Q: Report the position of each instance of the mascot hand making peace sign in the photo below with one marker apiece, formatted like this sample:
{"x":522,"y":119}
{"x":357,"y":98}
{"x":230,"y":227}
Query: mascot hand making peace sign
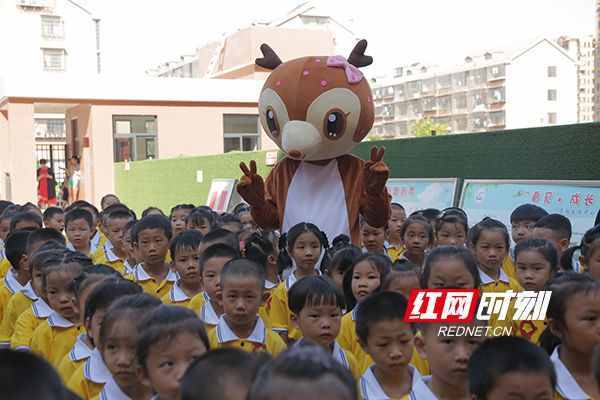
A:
{"x":317,"y":109}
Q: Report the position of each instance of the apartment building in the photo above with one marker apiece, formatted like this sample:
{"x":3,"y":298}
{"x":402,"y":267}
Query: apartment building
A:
{"x":55,"y":37}
{"x":582,"y":49}
{"x":534,"y":86}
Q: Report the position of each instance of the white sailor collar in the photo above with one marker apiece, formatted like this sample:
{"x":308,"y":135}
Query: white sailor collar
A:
{"x":289,"y":282}
{"x":69,"y":246}
{"x":94,"y":368}
{"x":566,"y":385}
{"x":225,"y":334}
{"x":109,"y":253}
{"x":128,"y":267}
{"x":485,"y":278}
{"x":41,"y":309}
{"x":208,"y":315}
{"x":421,"y":391}
{"x":370,"y":388}
{"x":141,"y":275}
{"x":176,"y":294}
{"x":28,"y":292}
{"x":340,"y":356}
{"x":112,"y":391}
{"x":94,"y":242}
{"x":269,"y":284}
{"x":11,"y":282}
{"x":80,"y":350}
{"x":55,"y":320}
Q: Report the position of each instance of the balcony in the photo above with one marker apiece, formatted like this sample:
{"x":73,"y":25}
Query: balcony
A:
{"x":34,"y":4}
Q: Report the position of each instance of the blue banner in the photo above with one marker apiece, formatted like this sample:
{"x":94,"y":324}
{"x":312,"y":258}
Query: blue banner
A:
{"x":578,"y":201}
{"x":417,"y":194}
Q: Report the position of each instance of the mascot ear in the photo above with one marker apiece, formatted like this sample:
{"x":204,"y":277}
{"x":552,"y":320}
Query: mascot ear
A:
{"x":357,"y":57}
{"x":270,"y":59}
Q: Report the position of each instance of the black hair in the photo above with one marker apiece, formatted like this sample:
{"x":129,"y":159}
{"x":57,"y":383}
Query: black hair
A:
{"x":430,"y":214}
{"x":343,"y":259}
{"x":149,"y":210}
{"x":25,"y":216}
{"x":44,"y":235}
{"x":454,"y":211}
{"x":66,"y":260}
{"x":215,"y":251}
{"x":454,"y":219}
{"x":287,"y":241}
{"x":241,"y":208}
{"x":26,"y":376}
{"x":300,"y":365}
{"x":4,"y":204}
{"x":117,"y":212}
{"x":189,"y":239}
{"x":16,"y":247}
{"x":398,"y":274}
{"x":51,"y":245}
{"x":9,"y":212}
{"x":220,"y":235}
{"x":152,"y":222}
{"x":405,"y":265}
{"x":400,"y":206}
{"x":93,"y":275}
{"x":228,"y":218}
{"x":162,"y":324}
{"x":381,"y":306}
{"x":129,"y":226}
{"x":44,"y":258}
{"x":29,"y":206}
{"x":50,"y":212}
{"x":201,"y":216}
{"x":314,"y":291}
{"x":527,"y":212}
{"x":242,"y":267}
{"x":564,"y":287}
{"x":210,"y":376}
{"x":258,"y":248}
{"x":83,"y":204}
{"x":502,"y":355}
{"x":106,"y":197}
{"x":589,"y":237}
{"x":79,"y":213}
{"x":458,"y":252}
{"x":381,"y":262}
{"x":420,"y":220}
{"x":178,"y":207}
{"x":556,"y":223}
{"x":542,"y":246}
{"x":127,"y":307}
{"x":340,"y":241}
{"x":488,"y":224}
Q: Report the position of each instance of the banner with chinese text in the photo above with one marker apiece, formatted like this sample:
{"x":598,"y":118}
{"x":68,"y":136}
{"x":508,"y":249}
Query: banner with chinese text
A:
{"x":416,"y":194}
{"x":577,"y":200}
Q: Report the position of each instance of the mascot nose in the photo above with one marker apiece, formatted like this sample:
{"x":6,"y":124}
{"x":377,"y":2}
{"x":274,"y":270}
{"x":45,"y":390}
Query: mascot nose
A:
{"x":298,"y":138}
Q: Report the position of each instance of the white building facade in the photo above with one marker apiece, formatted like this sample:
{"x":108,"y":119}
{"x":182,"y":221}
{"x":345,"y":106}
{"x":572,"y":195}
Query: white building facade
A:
{"x":533,"y":87}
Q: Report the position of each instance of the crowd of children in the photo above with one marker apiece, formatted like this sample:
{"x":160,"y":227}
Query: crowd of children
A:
{"x":200,"y":305}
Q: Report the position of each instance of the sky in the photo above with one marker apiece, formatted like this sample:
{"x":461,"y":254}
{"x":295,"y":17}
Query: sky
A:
{"x":140,"y":34}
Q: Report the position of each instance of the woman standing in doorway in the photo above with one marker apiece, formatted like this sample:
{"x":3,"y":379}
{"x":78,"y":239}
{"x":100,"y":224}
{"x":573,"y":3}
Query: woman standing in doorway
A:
{"x":74,"y":179}
{"x":46,"y":185}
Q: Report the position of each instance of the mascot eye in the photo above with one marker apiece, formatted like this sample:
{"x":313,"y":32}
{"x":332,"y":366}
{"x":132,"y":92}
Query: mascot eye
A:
{"x":272,"y":123}
{"x":334,"y":124}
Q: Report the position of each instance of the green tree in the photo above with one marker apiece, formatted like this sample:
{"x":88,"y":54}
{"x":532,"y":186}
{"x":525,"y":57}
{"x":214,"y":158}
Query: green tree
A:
{"x":426,"y":127}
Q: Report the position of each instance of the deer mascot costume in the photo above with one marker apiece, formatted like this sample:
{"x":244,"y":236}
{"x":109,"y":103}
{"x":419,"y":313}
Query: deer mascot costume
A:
{"x":317,"y":109}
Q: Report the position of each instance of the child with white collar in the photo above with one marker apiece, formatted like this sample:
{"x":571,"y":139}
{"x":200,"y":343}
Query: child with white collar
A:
{"x":18,"y":276}
{"x":186,"y":254}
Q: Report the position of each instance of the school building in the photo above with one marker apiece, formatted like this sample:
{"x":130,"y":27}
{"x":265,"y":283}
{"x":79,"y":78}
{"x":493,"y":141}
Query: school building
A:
{"x":115,"y":119}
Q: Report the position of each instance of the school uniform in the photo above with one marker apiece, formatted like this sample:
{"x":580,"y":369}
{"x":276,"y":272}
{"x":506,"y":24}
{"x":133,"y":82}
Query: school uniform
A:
{"x":17,"y":304}
{"x":89,"y":379}
{"x":79,"y":353}
{"x":422,"y":391}
{"x":261,"y":338}
{"x":395,"y":252}
{"x":106,"y":255}
{"x":370,"y":389}
{"x":502,"y":284}
{"x":348,"y":340}
{"x":8,"y":287}
{"x":177,"y":296}
{"x":343,"y":356}
{"x":28,"y":322}
{"x":279,"y":313}
{"x":149,"y":284}
{"x":4,"y":267}
{"x":530,"y":330}
{"x":508,"y":266}
{"x":269,"y":287}
{"x":54,"y":338}
{"x":112,"y":391}
{"x":567,"y":387}
{"x":204,"y":309}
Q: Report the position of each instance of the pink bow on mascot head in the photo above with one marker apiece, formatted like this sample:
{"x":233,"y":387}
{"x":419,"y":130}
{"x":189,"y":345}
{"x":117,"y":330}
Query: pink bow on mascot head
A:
{"x":353,"y":74}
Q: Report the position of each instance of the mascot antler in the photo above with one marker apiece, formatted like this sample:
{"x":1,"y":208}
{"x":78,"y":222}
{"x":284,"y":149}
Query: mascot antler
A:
{"x":357,"y":57}
{"x":270,"y":59}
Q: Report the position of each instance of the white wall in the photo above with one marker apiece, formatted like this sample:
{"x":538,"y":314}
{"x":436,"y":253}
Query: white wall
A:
{"x":527,"y":85}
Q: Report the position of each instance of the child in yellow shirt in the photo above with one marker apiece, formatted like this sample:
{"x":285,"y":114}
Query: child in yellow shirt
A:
{"x":240,"y":326}
{"x":54,"y":218}
{"x":113,"y":252}
{"x":78,"y":228}
{"x":151,"y":236}
{"x":18,"y":276}
{"x":306,"y":248}
{"x":262,"y":248}
{"x":208,"y":305}
{"x":317,"y":307}
{"x":55,"y":337}
{"x":522,"y":222}
{"x":184,"y":249}
{"x":490,"y":242}
{"x":171,"y":335}
{"x":395,"y":246}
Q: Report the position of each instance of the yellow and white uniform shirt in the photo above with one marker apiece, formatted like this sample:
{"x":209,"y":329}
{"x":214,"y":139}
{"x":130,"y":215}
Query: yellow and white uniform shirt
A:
{"x":567,"y":387}
{"x":503,"y":284}
{"x":177,"y":296}
{"x":28,"y":322}
{"x":112,"y":391}
{"x":10,"y":286}
{"x":105,"y":255}
{"x":54,"y":338}
{"x":17,"y":304}
{"x":370,"y":389}
{"x":261,"y":338}
{"x":88,"y":381}
{"x":149,"y":284}
{"x":74,"y":359}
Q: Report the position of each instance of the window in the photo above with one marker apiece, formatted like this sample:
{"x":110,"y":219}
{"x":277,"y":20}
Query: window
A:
{"x":134,"y":137}
{"x":51,"y":128}
{"x":53,"y":60}
{"x":52,"y":27}
{"x":552,"y":94}
{"x":551,"y":71}
{"x":552,"y":118}
{"x":240,"y":133}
